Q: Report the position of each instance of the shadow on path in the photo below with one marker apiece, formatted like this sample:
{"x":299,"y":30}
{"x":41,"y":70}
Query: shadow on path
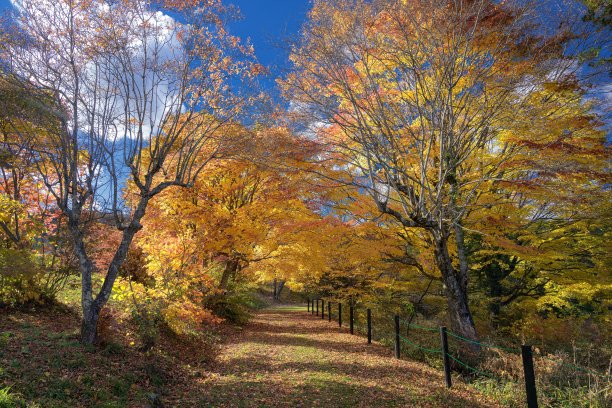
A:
{"x":289,"y":358}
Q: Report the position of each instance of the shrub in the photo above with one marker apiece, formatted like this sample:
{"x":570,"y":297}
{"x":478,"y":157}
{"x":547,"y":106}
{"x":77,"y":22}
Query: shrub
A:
{"x":178,"y":309}
{"x":232,"y":307}
{"x":24,"y":280}
{"x":17,"y":277}
{"x":148,"y":321}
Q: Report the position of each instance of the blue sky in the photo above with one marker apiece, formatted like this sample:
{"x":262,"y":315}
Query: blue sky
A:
{"x":268,"y":24}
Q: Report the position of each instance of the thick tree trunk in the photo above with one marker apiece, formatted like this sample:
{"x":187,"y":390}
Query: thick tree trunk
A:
{"x":231,"y":266}
{"x":278,"y":288}
{"x":89,"y":323}
{"x":455,"y":282}
{"x":92,"y":306}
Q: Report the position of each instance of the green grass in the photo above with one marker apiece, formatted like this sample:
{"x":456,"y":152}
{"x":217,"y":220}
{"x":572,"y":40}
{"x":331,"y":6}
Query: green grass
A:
{"x":7,"y":400}
{"x":5,"y":337}
{"x":288,"y":308}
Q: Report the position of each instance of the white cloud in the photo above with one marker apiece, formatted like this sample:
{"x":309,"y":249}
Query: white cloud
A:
{"x":121,"y":91}
{"x":119,"y":63}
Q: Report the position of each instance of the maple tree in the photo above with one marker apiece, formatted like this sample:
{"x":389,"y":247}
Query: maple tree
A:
{"x":235,"y":224}
{"x":544,"y":231}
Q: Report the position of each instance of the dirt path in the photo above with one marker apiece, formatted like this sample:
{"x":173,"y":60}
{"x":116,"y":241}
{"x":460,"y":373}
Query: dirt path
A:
{"x":288,"y":358}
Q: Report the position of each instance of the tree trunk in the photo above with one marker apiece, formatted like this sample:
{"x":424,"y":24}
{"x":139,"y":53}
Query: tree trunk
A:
{"x":455,"y":282}
{"x":231,"y":266}
{"x":92,"y":306}
{"x":89,"y":323}
{"x":278,"y":288}
{"x":494,"y":275}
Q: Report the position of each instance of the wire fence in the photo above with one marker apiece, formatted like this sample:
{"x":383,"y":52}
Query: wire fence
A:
{"x":434,"y":341}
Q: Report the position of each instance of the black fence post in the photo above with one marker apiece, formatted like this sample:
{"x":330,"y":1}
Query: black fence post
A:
{"x":317,"y":307}
{"x":397,"y":336}
{"x":530,"y":385}
{"x":445,"y":359}
{"x":351,"y":316}
{"x":322,"y":309}
{"x":339,"y":314}
{"x":329,"y":311}
{"x":369,"y":326}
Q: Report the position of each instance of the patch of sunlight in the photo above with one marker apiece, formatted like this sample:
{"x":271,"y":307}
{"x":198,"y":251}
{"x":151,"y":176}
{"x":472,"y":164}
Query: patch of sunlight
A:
{"x":287,"y":308}
{"x":243,"y":349}
{"x":306,"y":351}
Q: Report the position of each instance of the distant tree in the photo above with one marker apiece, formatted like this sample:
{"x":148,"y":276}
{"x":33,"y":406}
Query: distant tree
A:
{"x":240,"y":216}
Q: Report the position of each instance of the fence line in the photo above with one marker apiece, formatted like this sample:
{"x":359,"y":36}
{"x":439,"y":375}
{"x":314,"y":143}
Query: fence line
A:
{"x":525,"y":351}
{"x":418,"y":346}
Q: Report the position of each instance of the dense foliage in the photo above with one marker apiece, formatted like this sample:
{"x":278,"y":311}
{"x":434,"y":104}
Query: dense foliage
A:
{"x":444,"y":160}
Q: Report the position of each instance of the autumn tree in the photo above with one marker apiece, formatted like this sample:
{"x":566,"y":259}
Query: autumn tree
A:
{"x":36,"y":259}
{"x":141,"y":90}
{"x":238,"y":221}
{"x":422,"y":102}
{"x":549,"y":229}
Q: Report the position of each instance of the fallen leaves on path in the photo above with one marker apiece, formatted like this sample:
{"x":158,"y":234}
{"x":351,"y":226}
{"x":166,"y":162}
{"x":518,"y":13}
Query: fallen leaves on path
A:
{"x":288,"y":358}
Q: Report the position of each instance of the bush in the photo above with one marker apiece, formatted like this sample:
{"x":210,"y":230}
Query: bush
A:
{"x":231,"y":307}
{"x":178,"y":309}
{"x":148,"y":321}
{"x":17,"y":277}
{"x":23,"y":280}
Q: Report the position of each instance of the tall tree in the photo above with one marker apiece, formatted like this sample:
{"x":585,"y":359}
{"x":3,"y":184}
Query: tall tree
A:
{"x":143,"y":92}
{"x":416,"y":99}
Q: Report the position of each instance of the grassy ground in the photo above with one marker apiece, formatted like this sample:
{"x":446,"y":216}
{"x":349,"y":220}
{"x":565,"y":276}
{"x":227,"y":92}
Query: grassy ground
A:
{"x":284,"y":357}
{"x":42,"y":364}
